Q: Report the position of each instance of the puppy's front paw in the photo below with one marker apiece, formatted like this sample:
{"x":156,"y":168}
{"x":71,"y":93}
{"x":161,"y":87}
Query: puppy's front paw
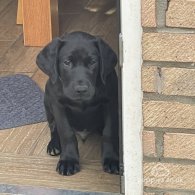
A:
{"x":111,"y":166}
{"x":53,"y":148}
{"x":68,"y":167}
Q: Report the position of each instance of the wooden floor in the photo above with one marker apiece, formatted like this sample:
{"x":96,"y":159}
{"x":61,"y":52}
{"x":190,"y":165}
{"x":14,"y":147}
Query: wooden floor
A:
{"x":23,"y":158}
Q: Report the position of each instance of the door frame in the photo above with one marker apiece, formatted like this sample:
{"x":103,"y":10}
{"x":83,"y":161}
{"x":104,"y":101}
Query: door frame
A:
{"x":131,"y":55}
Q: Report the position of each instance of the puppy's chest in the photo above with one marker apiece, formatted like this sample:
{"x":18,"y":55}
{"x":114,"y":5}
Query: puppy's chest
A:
{"x":88,"y":118}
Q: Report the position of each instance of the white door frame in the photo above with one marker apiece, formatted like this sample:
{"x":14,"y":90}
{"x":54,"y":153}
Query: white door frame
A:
{"x":130,"y":15}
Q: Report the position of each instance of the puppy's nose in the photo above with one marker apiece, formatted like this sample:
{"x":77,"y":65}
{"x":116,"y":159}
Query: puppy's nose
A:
{"x":81,"y":89}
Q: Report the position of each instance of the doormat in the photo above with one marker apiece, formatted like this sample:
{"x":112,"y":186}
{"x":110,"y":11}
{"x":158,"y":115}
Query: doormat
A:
{"x":21,"y":102}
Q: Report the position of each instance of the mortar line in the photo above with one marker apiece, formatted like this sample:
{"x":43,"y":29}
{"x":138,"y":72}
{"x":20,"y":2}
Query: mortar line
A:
{"x":165,"y":29}
{"x":170,"y":130}
{"x":190,"y":100}
{"x":179,"y":161}
{"x":161,"y":7}
{"x":161,"y":190}
{"x":169,"y":64}
{"x":159,"y":143}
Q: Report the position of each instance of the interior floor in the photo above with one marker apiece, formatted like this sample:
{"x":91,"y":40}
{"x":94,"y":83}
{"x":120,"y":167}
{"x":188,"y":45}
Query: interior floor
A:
{"x":23,"y":157}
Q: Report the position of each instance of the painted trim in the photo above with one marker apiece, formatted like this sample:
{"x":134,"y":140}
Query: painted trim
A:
{"x":130,"y":13}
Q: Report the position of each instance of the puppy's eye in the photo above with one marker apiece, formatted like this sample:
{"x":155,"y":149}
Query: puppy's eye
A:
{"x":92,"y":64}
{"x":67,"y":63}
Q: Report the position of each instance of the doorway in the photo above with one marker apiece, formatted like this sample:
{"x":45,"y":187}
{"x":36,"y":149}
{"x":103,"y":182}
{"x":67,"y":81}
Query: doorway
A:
{"x":99,"y":18}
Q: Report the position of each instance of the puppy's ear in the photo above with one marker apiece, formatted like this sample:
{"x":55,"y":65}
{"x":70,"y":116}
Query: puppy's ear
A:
{"x":108,"y":59}
{"x":48,"y":57}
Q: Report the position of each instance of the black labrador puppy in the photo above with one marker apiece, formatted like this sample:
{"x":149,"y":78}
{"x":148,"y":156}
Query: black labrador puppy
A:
{"x":81,"y":95}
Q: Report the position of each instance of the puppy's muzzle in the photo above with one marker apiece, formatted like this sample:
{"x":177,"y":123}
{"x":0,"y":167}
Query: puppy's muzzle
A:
{"x":81,"y":89}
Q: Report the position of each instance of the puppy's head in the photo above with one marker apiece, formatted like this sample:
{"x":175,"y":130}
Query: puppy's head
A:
{"x":77,"y":60}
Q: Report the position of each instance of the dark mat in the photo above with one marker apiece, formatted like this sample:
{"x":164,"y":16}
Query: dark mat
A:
{"x":21,"y":102}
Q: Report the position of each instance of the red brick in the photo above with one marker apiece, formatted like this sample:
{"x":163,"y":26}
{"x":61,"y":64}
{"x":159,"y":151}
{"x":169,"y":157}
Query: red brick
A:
{"x":149,"y":78}
{"x":169,"y":47}
{"x":148,"y":13}
{"x":179,"y":145}
{"x":149,"y":143}
{"x":169,"y":176}
{"x":168,"y":114}
{"x":173,"y":81}
{"x":181,"y":14}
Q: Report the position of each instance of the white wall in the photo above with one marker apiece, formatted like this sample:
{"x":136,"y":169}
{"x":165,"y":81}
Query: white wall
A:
{"x":132,"y":96}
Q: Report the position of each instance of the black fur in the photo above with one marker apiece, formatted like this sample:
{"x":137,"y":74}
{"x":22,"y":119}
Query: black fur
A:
{"x":81,"y":93}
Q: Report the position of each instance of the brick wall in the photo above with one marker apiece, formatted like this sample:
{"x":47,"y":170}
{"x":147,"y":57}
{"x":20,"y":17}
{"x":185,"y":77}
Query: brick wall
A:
{"x":168,"y":83}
